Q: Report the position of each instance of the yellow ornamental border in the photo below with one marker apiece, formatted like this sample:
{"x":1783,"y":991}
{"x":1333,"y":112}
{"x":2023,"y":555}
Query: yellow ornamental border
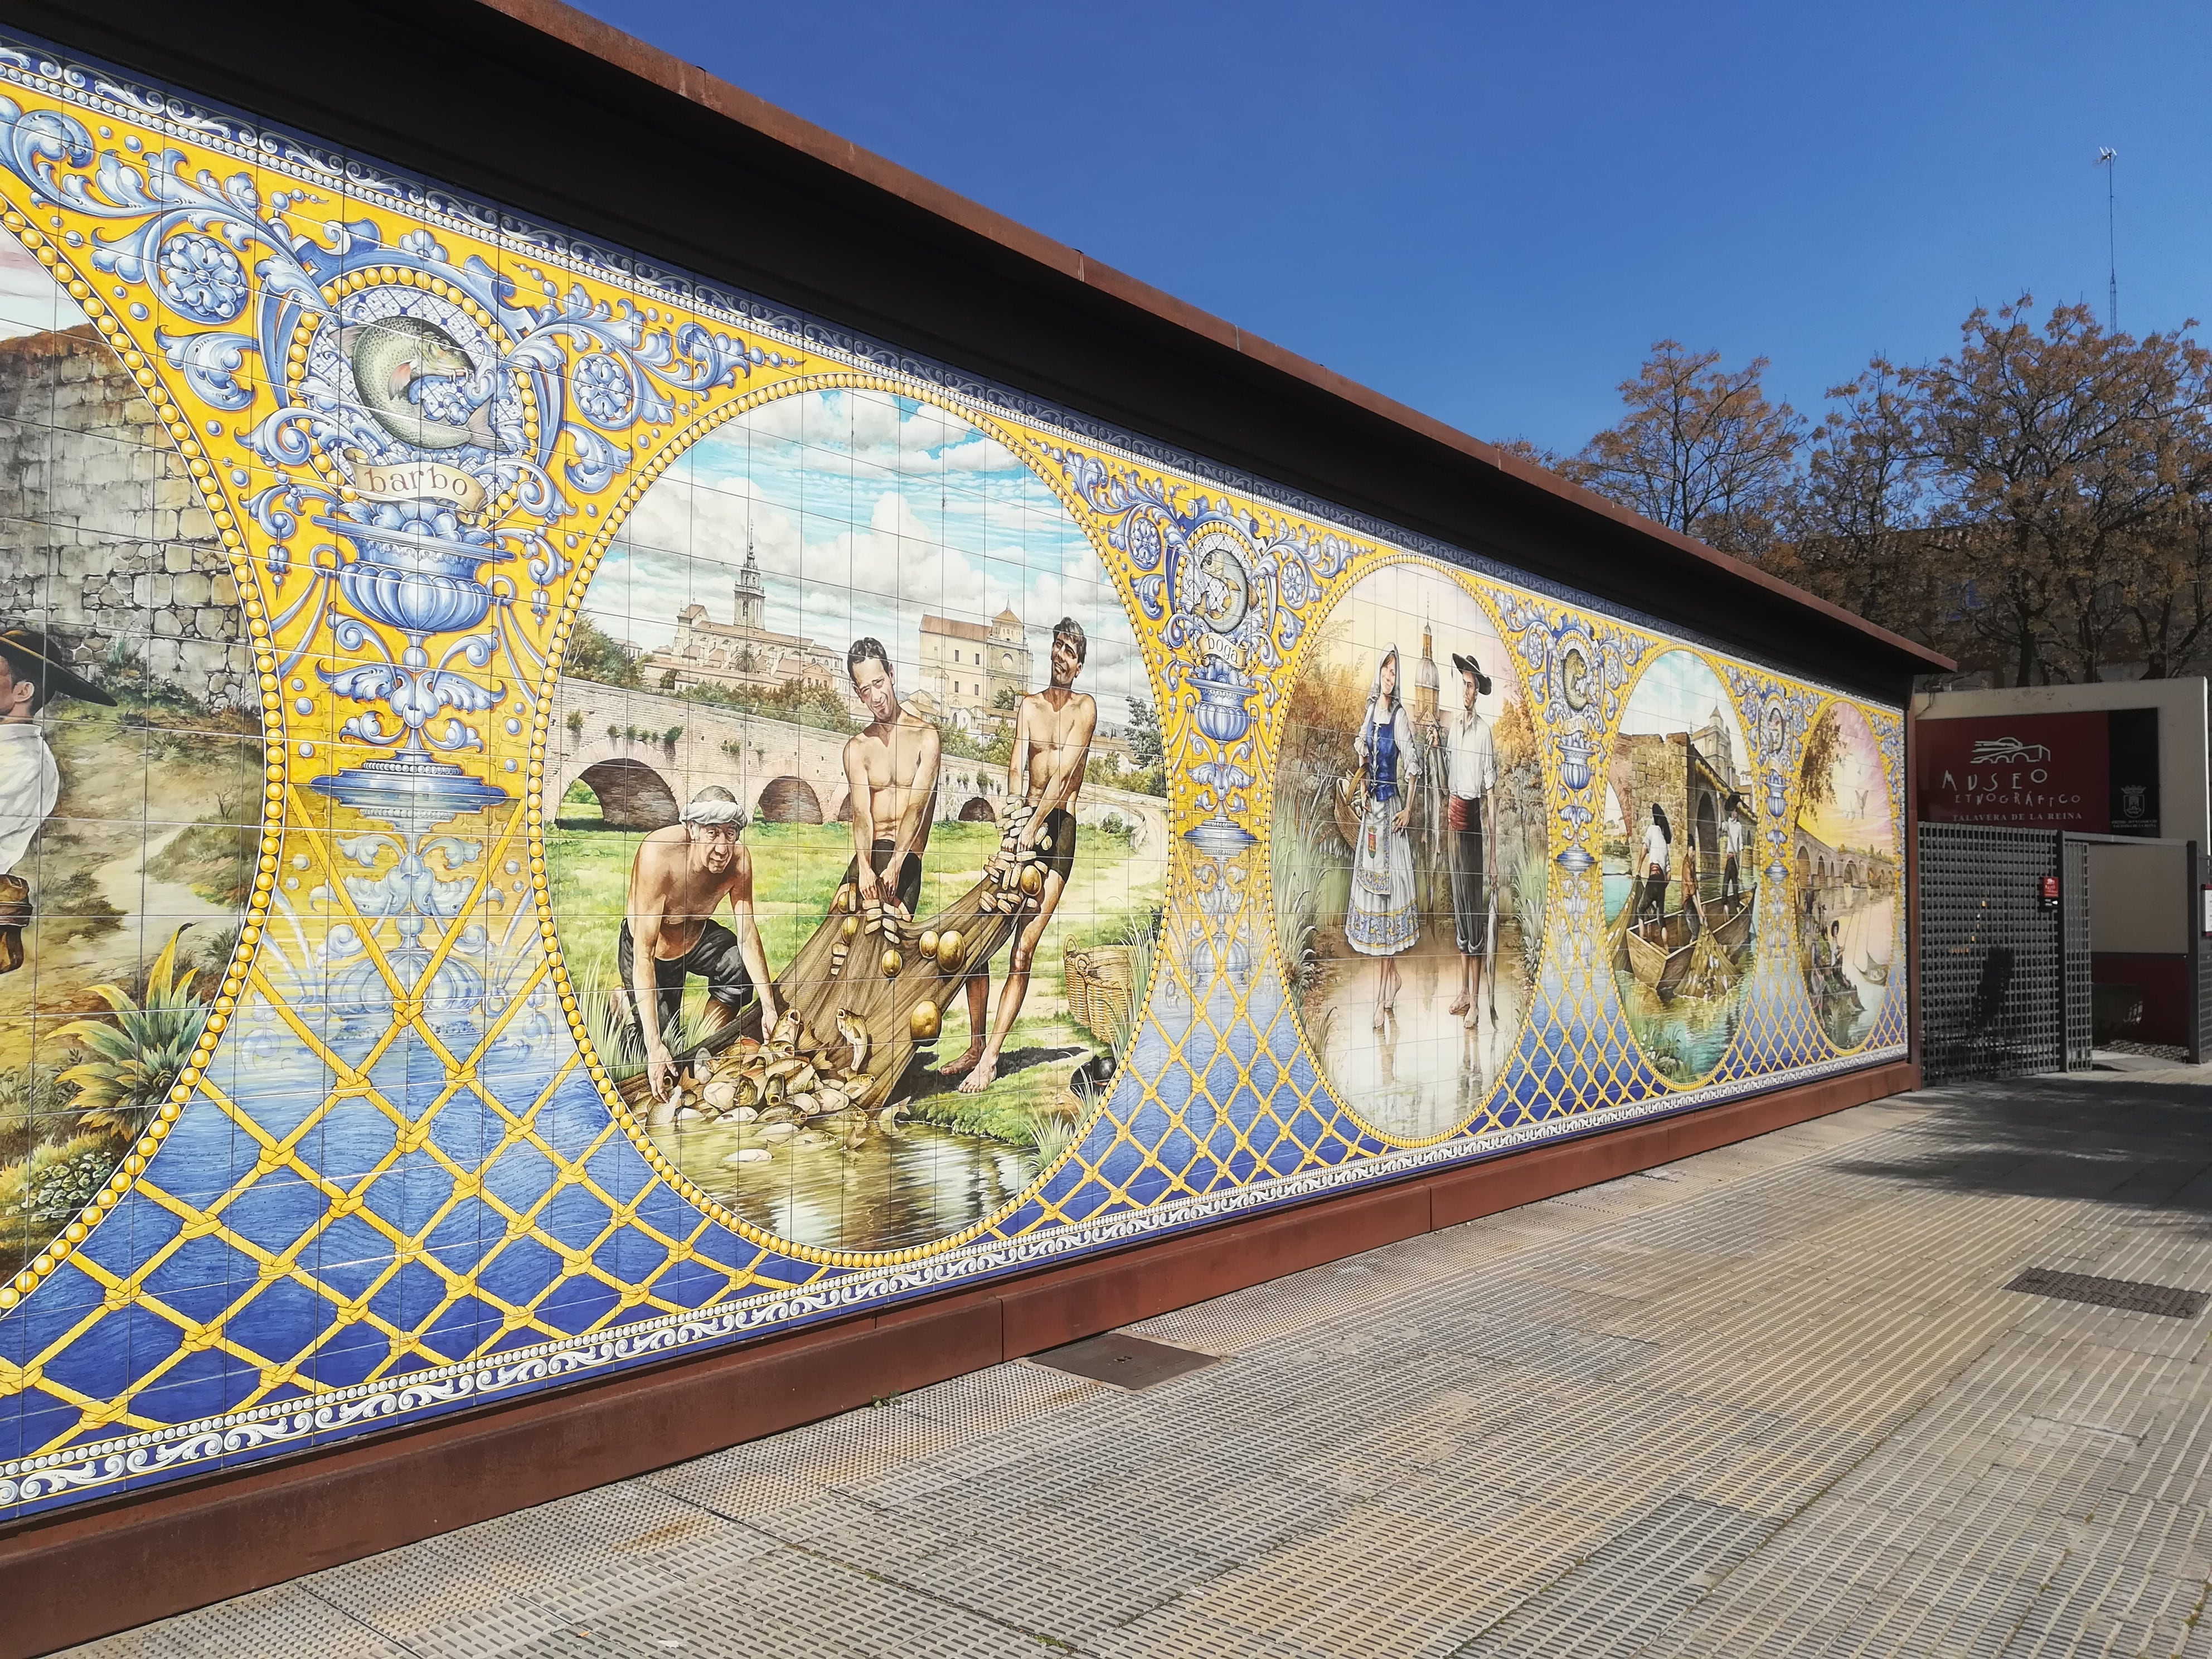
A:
{"x":647,"y":473}
{"x":245,"y":577}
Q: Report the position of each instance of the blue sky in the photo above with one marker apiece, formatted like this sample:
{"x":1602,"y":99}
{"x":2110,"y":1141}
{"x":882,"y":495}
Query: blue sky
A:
{"x":866,"y":512}
{"x":1490,"y":212}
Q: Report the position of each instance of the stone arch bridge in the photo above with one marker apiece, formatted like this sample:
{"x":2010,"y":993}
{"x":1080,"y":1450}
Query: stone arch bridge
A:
{"x":643,"y":754}
{"x":1819,"y":864}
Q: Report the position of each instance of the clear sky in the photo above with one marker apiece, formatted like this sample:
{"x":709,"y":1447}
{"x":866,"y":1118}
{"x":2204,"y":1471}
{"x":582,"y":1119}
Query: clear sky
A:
{"x":1490,"y":211}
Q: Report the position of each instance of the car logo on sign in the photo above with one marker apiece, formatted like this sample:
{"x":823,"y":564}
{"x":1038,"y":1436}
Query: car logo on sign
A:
{"x":2000,"y":751}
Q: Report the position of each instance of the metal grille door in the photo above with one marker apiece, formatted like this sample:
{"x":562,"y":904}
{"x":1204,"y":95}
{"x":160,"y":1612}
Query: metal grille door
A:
{"x":2200,"y":972}
{"x":1993,"y":990}
{"x":2074,"y":913}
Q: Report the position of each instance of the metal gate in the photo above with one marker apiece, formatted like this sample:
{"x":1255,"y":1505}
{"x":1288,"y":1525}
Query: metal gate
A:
{"x":2004,"y":976}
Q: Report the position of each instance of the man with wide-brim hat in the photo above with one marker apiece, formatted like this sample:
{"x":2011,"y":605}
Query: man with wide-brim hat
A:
{"x":1471,"y":826}
{"x":34,"y":670}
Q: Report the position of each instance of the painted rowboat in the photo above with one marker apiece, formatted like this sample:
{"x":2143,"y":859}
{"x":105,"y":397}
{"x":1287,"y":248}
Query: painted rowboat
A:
{"x":1658,"y":952}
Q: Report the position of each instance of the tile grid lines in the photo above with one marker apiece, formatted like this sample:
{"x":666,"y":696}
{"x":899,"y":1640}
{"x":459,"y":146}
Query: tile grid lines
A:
{"x":492,"y":1311}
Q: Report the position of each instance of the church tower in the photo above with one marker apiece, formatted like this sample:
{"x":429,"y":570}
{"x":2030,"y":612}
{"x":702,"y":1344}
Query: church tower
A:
{"x":753,"y":600}
{"x":1426,"y":689}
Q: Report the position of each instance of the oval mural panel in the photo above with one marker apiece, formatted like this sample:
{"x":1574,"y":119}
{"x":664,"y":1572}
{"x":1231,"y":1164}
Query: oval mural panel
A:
{"x":1409,"y":851}
{"x":1844,"y":868}
{"x":1681,"y":878}
{"x":130,"y":758}
{"x":873,"y":1009}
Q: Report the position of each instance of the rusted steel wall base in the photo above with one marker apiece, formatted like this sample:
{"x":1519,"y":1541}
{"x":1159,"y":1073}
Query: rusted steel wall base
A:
{"x":91,"y":1571}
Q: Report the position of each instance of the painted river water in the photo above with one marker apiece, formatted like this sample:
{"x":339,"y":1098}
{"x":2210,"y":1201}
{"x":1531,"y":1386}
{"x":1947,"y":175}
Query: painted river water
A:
{"x":899,"y":1187}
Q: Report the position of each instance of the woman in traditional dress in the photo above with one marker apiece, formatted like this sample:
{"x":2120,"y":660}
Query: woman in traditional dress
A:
{"x":1382,"y":919}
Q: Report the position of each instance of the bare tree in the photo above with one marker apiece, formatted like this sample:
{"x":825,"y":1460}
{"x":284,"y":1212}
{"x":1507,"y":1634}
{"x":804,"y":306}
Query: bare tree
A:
{"x":1701,"y":450}
{"x":2166,"y":608}
{"x":2038,"y":502}
{"x":1857,"y":518}
{"x":2067,"y":450}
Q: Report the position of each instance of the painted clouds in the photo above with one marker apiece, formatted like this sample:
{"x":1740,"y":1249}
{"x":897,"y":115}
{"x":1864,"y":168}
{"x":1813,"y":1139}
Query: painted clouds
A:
{"x":866,"y":513}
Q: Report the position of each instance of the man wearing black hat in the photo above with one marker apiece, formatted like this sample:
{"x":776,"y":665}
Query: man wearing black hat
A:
{"x":34,"y":671}
{"x":1471,"y":773}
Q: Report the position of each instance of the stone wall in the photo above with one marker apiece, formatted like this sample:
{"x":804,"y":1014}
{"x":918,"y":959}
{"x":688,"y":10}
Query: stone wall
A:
{"x":102,"y":536}
{"x":1649,"y":767}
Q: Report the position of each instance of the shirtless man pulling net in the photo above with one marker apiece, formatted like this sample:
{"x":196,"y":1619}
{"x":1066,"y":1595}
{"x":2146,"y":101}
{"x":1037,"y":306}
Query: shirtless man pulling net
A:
{"x":1051,"y":746}
{"x":890,"y":771}
{"x":871,"y":984}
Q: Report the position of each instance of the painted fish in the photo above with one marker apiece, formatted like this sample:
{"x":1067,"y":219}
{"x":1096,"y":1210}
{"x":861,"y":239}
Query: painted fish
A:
{"x":412,"y":376}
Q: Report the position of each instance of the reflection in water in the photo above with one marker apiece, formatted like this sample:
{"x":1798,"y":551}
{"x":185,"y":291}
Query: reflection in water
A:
{"x":1424,"y":1073}
{"x":1683,"y":1037}
{"x":900,"y":1188}
{"x":1847,"y":971}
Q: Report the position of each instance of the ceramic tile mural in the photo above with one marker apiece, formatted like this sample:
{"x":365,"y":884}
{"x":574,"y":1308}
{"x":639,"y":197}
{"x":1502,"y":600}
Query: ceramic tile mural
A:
{"x":552,"y":814}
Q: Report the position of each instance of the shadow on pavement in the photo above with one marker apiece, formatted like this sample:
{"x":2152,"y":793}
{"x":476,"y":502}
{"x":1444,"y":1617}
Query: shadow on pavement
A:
{"x":2139,"y":1145}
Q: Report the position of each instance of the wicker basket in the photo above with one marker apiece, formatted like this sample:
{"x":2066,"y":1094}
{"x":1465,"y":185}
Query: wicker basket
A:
{"x":1345,"y":807}
{"x":1099,"y":981}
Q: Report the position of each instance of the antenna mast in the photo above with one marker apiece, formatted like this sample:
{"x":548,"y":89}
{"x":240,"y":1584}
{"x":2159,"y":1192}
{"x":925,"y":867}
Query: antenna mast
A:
{"x":2108,"y":159}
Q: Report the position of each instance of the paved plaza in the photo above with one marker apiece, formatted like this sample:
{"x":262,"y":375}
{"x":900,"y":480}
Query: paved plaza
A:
{"x":1772,"y":1400}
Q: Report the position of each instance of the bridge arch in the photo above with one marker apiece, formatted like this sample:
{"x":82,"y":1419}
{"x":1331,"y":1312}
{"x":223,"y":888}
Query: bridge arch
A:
{"x":788,"y":800}
{"x":632,"y":795}
{"x":976,"y":810}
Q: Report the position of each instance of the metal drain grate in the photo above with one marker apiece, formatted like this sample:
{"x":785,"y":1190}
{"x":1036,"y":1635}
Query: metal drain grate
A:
{"x":1126,"y":1362}
{"x":2130,"y":1294}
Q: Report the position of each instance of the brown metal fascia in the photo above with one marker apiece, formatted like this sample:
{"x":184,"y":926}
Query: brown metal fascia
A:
{"x":1476,"y":495}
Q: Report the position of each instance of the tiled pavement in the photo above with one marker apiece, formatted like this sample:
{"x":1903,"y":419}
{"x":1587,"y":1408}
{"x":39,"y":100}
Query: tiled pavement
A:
{"x":1773,"y":1400}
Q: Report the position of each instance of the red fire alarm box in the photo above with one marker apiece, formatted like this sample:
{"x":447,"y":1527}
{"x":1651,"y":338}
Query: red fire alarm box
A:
{"x":2050,"y":892}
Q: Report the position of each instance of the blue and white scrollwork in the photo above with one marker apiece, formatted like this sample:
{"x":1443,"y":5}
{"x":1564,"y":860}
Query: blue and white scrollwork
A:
{"x":1581,"y":669}
{"x":1162,"y":527}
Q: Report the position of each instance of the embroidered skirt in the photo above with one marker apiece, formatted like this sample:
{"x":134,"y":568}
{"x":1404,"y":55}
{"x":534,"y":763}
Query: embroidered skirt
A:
{"x":1382,"y":921}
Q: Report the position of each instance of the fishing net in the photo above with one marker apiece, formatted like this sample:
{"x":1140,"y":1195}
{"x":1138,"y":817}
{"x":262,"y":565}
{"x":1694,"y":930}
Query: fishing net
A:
{"x":867,"y":990}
